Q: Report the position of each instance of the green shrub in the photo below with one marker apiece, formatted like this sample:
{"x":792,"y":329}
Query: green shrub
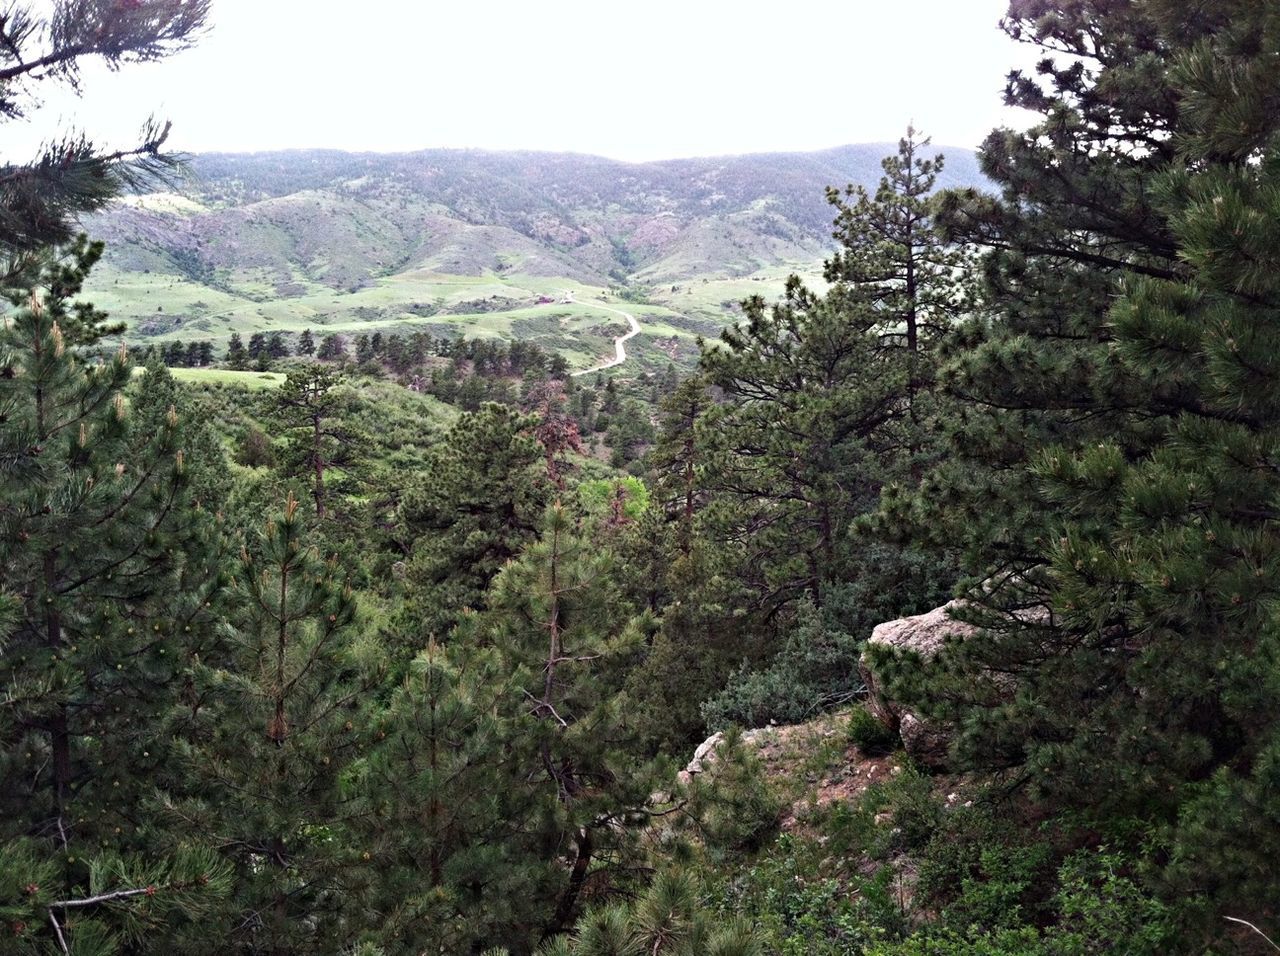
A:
{"x":869,"y":735}
{"x":816,"y":670}
{"x":734,"y":806}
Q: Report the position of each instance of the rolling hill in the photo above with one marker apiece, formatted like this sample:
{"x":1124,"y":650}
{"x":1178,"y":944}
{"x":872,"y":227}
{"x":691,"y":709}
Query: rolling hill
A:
{"x":510,"y":244}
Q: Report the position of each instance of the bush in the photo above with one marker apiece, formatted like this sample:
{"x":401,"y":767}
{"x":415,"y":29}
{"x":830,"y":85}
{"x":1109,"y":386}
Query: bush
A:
{"x":869,"y":735}
{"x":815,"y":670}
{"x":735,"y":808}
{"x":256,"y":449}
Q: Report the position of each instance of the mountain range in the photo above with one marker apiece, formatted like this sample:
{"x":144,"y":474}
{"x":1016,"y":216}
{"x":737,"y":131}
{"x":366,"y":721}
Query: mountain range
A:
{"x":509,"y":244}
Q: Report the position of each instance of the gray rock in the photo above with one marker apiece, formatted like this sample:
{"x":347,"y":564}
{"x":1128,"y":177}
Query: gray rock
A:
{"x":924,"y":634}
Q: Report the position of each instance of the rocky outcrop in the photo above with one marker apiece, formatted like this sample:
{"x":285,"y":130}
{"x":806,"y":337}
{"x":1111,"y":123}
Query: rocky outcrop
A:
{"x":924,"y":634}
{"x":704,"y":757}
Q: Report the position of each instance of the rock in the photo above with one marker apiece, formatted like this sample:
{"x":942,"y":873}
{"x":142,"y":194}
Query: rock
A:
{"x":928,"y":741}
{"x":703,"y":757}
{"x":925,"y":635}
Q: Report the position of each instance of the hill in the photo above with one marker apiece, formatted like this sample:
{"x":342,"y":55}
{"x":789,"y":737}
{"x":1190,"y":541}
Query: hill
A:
{"x":511,"y":244}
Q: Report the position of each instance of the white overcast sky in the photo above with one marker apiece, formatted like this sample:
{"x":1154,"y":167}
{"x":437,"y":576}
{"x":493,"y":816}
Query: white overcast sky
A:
{"x":637,"y":80}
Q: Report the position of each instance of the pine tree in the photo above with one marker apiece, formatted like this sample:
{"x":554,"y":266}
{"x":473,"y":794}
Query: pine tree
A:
{"x":257,"y":349}
{"x":811,"y":406}
{"x":668,"y":920}
{"x":41,"y":201}
{"x":1126,"y":669}
{"x":557,"y":616}
{"x":277,"y":348}
{"x":332,"y":349}
{"x":313,"y":413}
{"x":364,"y":349}
{"x":677,"y":457}
{"x":891,"y":251}
{"x":446,"y":809}
{"x":306,"y":344}
{"x":62,"y":272}
{"x":1074,"y":217}
{"x":237,"y":357}
{"x":111,"y":568}
{"x":478,"y":502}
{"x":285,"y":725}
{"x":1165,"y":566}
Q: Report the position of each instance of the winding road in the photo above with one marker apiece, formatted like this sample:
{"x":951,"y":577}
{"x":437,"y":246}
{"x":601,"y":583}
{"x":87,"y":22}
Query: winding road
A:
{"x":619,"y":344}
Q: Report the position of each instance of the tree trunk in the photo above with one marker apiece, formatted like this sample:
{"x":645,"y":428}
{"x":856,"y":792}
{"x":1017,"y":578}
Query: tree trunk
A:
{"x":577,"y":879}
{"x":317,"y":461}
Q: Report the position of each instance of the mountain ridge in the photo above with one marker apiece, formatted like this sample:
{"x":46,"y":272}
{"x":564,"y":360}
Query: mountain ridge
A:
{"x":454,"y":237}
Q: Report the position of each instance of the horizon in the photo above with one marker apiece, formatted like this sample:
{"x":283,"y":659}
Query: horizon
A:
{"x":677,"y":82}
{"x":868,"y":144}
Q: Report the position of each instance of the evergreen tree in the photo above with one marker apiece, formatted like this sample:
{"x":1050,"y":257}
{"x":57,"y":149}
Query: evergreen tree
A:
{"x":314,"y":416}
{"x":799,"y":445}
{"x":478,"y":502}
{"x":364,"y":349}
{"x":556,"y":430}
{"x":110,"y":569}
{"x":1126,"y":659}
{"x":332,"y":349}
{"x":237,"y":357}
{"x":559,"y":619}
{"x":62,"y":271}
{"x":1074,"y":217}
{"x":285,"y":725}
{"x":306,"y":344}
{"x":41,"y":201}
{"x":208,"y":482}
{"x":445,"y":810}
{"x":668,"y":920}
{"x":277,"y":348}
{"x":890,"y":250}
{"x":678,"y":457}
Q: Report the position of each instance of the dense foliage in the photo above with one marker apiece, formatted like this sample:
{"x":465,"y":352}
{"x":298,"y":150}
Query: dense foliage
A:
{"x":404,"y":652}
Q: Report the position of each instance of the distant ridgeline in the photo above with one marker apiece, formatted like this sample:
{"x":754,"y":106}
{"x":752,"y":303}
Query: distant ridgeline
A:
{"x":514,"y":245}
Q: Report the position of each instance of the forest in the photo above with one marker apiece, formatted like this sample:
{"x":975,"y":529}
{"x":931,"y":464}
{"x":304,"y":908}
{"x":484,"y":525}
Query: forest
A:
{"x":936,"y":612}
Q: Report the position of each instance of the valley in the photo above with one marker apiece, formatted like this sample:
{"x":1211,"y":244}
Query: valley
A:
{"x":511,"y":246}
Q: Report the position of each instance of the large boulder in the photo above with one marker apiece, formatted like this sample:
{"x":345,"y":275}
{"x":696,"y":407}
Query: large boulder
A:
{"x":924,"y":634}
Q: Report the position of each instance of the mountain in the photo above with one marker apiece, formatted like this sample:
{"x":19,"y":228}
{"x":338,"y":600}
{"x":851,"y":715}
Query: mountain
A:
{"x":474,"y":241}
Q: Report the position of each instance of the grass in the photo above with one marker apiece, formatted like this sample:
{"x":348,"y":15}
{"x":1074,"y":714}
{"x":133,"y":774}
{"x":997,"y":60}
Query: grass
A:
{"x":163,"y":307}
{"x":225,"y":377}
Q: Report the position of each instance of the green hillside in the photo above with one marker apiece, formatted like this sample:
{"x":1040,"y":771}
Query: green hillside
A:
{"x":510,"y":245}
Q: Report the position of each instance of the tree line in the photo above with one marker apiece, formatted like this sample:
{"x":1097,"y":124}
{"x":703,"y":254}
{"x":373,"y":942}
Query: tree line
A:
{"x":440,"y":708}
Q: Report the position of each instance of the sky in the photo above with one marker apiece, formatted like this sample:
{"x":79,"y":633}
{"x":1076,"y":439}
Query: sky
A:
{"x":636,"y":81}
